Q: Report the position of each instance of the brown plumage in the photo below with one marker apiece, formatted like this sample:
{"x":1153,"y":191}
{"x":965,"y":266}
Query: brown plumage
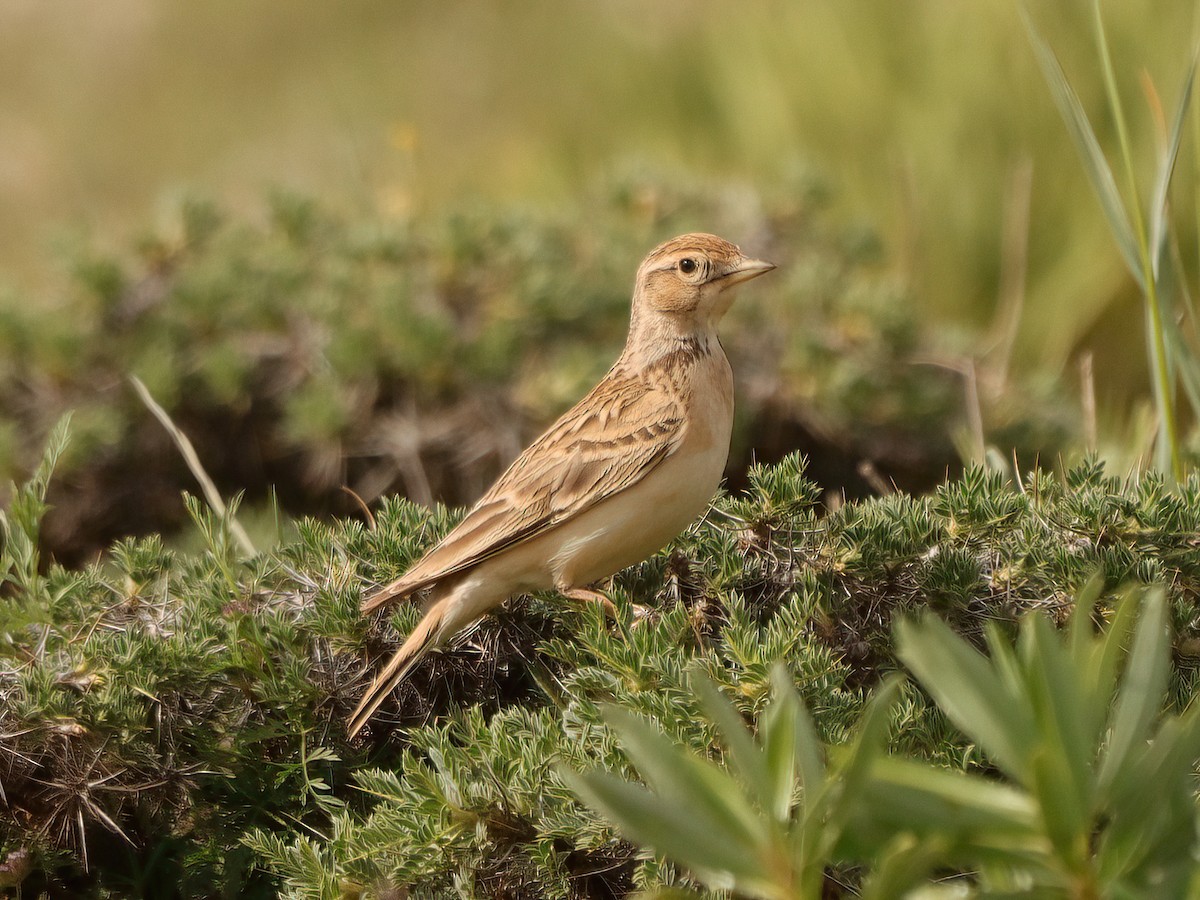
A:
{"x":613,"y":480}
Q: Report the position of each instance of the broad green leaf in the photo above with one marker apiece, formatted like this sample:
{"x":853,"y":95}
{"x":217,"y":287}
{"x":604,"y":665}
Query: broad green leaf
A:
{"x":979,"y":820}
{"x":696,"y":788}
{"x":1086,"y":648}
{"x":780,"y":737}
{"x":1063,"y":812}
{"x":828,"y":810}
{"x":1112,"y":645}
{"x":779,"y":748}
{"x":965,"y":686}
{"x":720,"y":858}
{"x":748,"y":760}
{"x":810,"y":756}
{"x":1068,"y":726}
{"x":935,"y":799}
{"x":1142,"y":685}
{"x":1150,"y":802}
{"x":1009,"y":672}
{"x":1094,"y":161}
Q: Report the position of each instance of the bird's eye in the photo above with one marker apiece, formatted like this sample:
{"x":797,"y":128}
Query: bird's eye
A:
{"x":687,"y":265}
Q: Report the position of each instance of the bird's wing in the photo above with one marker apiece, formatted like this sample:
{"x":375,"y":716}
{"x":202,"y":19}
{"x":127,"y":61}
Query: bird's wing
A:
{"x":616,"y":435}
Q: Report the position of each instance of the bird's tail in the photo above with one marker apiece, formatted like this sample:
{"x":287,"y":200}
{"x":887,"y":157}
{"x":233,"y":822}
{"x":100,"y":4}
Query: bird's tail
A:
{"x":438,"y":624}
{"x":397,"y":590}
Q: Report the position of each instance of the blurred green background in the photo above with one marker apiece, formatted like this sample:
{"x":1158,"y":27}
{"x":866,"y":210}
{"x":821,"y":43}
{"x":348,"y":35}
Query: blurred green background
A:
{"x":921,"y":113}
{"x":928,"y":121}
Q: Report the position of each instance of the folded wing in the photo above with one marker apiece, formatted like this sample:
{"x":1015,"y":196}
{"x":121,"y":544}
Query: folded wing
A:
{"x":609,"y":441}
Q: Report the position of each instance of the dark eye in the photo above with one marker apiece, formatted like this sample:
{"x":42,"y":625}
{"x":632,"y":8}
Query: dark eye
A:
{"x":687,"y":265}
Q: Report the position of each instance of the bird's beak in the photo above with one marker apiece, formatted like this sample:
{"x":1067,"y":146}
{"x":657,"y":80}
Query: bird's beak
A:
{"x":744,"y":271}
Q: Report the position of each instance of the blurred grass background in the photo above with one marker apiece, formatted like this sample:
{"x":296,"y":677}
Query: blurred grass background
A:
{"x":921,"y":114}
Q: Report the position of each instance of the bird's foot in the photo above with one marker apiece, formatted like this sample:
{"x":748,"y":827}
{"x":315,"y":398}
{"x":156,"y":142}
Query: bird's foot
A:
{"x":639,"y":612}
{"x":589,"y":595}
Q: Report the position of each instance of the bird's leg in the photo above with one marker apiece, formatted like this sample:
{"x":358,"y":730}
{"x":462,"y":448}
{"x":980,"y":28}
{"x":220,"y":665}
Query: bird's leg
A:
{"x":590,"y":595}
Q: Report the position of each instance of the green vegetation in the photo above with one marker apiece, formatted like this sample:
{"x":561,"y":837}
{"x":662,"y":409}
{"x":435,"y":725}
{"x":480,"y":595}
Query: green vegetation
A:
{"x":180,"y":715}
{"x":315,"y":351}
{"x":849,"y":680}
{"x":1095,"y":806}
{"x":932,"y":118}
{"x":1147,"y":242}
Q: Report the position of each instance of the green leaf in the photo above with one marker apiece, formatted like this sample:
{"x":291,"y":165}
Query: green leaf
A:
{"x":748,"y":761}
{"x":1150,"y":803}
{"x":1063,"y":811}
{"x":855,"y":764}
{"x":965,"y":686}
{"x":1186,"y":363}
{"x":780,"y":739}
{"x":981,"y":820}
{"x":1142,"y":686}
{"x":1094,"y":161}
{"x":1111,"y":647}
{"x":1080,"y":636}
{"x":849,"y":780}
{"x":1065,"y":720}
{"x":810,"y":756}
{"x":720,"y":857}
{"x":695,"y":788}
{"x":1166,"y":169}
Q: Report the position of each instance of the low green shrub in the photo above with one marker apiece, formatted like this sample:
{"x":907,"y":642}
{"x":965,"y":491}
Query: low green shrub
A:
{"x":317,"y":349}
{"x":173,"y":721}
{"x":1094,"y":800}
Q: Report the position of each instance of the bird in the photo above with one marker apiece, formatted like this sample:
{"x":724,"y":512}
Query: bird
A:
{"x":610,"y":483}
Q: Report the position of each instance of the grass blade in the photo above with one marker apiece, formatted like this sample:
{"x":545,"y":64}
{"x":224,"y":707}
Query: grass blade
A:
{"x":192,"y":458}
{"x":1166,"y":170}
{"x":1097,"y":167}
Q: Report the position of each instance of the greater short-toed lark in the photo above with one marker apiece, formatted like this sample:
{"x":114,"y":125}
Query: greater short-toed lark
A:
{"x":612,"y":481}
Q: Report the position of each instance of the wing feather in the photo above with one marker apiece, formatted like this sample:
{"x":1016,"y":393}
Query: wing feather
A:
{"x":615,"y":436}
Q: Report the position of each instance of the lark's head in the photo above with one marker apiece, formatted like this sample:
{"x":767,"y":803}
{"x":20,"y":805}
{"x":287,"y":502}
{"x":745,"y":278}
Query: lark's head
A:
{"x":689,"y":277}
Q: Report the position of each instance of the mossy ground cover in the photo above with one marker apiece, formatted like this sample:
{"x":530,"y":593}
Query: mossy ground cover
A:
{"x":173,"y":721}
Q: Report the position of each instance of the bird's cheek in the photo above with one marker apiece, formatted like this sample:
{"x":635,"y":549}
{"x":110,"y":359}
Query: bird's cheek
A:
{"x":690,"y":298}
{"x":719,"y":304}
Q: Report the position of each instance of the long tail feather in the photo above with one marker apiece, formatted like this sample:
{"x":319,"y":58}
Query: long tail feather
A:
{"x":437,"y":625}
{"x":397,"y":590}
